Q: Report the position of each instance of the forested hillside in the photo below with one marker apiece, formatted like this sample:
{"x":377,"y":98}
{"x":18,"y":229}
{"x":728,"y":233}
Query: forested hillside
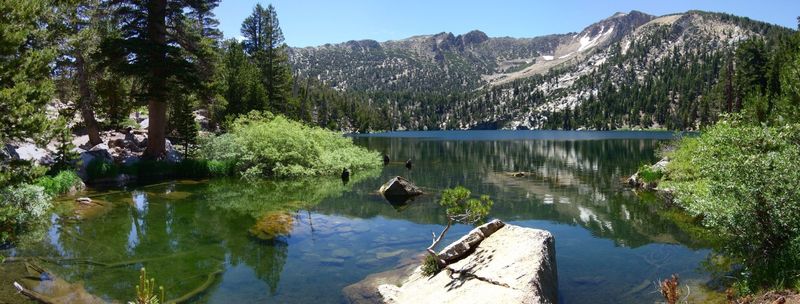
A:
{"x":631,"y":70}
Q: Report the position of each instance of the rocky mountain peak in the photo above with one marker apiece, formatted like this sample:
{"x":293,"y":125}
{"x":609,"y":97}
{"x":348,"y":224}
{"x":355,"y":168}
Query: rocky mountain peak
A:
{"x":474,"y":37}
{"x":446,"y":41}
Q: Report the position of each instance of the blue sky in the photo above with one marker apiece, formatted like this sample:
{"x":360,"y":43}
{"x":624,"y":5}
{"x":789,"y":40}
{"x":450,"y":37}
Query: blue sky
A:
{"x":316,"y":22}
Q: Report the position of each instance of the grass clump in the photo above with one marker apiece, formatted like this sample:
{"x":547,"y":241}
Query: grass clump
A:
{"x":99,"y":169}
{"x":429,"y":266}
{"x":63,"y":182}
{"x":265,"y":145}
{"x":742,"y":180}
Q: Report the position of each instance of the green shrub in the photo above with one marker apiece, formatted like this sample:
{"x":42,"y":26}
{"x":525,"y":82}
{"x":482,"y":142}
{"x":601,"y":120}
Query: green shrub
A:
{"x":429,"y":266}
{"x":150,"y":170}
{"x":192,"y":168}
{"x":62,"y":183}
{"x":98,"y":168}
{"x":265,"y":145}
{"x":13,"y":172}
{"x":21,"y":206}
{"x":743,"y":181}
{"x":220,"y":168}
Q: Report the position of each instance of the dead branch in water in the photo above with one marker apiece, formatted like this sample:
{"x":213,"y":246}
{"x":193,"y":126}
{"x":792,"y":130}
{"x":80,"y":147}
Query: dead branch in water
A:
{"x":199,"y":290}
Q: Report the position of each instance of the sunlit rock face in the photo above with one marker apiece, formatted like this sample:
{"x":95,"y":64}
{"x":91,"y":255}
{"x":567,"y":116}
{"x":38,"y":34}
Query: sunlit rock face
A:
{"x":511,"y":265}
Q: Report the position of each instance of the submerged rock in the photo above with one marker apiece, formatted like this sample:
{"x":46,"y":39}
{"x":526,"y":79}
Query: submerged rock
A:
{"x":36,"y":283}
{"x":512,"y":265}
{"x":399,"y":187}
{"x":272,"y":225}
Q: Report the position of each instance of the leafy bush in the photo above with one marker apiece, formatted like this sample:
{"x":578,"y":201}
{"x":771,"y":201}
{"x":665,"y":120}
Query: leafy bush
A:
{"x":21,"y":206}
{"x":62,"y":183}
{"x":743,"y":181}
{"x":220,"y":168}
{"x":13,"y":172}
{"x":262,"y":145}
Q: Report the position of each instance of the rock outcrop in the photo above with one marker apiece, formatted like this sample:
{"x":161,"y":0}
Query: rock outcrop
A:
{"x":637,"y":182}
{"x":511,"y":265}
{"x":399,"y":187}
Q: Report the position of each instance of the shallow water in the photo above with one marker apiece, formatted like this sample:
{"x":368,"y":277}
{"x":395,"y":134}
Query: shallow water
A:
{"x":610,"y":246}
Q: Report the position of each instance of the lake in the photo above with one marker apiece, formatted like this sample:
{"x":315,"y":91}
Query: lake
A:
{"x":303,"y":241}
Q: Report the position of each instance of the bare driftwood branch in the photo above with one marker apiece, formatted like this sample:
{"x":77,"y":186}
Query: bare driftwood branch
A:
{"x":436,"y":240}
{"x":31,"y":294}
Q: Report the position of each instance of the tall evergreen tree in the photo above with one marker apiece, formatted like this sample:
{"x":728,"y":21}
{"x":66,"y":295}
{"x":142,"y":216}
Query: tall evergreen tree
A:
{"x":242,"y":88}
{"x":154,"y":36}
{"x":25,"y":84}
{"x":78,"y":37}
{"x":264,"y":42}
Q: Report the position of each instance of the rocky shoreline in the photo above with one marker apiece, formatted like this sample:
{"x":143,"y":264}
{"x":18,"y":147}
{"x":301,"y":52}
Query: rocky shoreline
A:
{"x":494,"y":263}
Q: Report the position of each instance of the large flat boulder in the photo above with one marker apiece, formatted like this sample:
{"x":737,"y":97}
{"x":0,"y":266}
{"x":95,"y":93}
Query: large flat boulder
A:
{"x":511,"y":265}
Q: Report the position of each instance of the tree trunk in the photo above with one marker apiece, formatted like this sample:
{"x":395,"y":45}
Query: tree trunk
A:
{"x":156,"y":104}
{"x":729,"y":86}
{"x":86,"y":99}
{"x":156,"y":137}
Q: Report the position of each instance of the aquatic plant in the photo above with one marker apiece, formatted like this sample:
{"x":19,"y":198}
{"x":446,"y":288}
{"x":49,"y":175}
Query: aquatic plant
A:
{"x":669,"y":289}
{"x":146,"y":292}
{"x":272,"y":225}
{"x":460,"y":208}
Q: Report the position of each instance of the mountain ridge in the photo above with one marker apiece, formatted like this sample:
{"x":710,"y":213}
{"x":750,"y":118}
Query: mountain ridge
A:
{"x":432,"y":78}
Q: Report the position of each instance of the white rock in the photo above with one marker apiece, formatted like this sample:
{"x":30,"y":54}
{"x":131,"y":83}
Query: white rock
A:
{"x":512,"y":265}
{"x":30,"y":152}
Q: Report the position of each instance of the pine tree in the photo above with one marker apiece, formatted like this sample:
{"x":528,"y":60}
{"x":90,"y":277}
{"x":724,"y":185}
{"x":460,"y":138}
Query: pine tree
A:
{"x":183,"y":123}
{"x":25,"y":84}
{"x":242,"y":90}
{"x":78,"y":30}
{"x":264,"y":42}
{"x":163,"y":49}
